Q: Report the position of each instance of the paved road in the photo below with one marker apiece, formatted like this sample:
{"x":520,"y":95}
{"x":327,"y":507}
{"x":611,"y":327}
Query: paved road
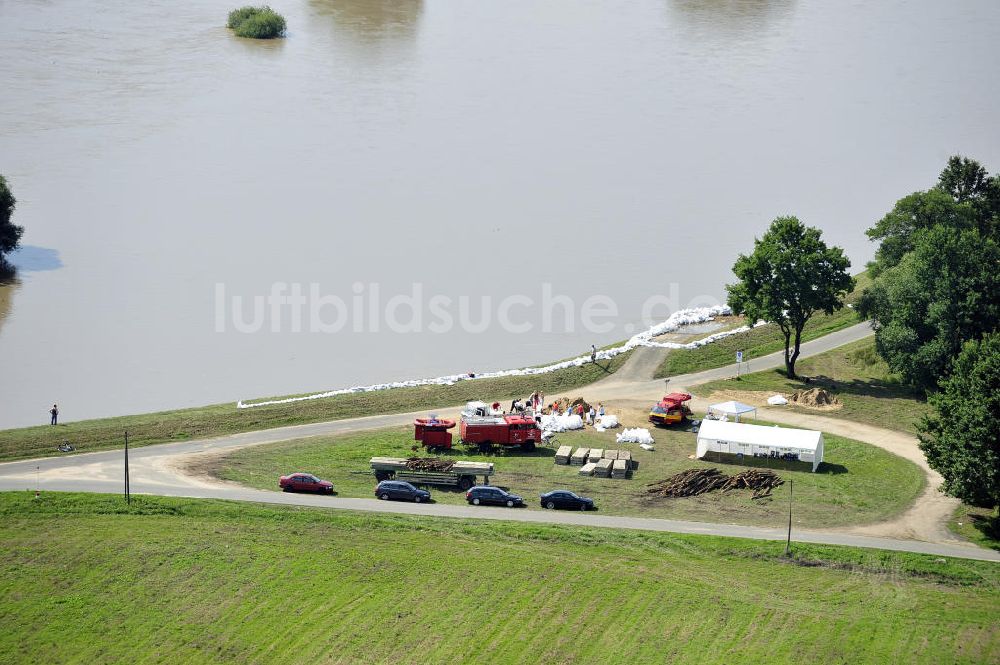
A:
{"x":154,"y":470}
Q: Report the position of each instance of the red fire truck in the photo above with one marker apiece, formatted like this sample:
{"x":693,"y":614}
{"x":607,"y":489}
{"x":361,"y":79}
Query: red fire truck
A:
{"x":481,"y":426}
{"x":485,"y":427}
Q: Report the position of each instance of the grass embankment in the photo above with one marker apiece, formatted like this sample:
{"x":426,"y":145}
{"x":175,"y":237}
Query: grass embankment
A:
{"x":854,"y":373}
{"x":83,"y":579}
{"x":224,"y":419}
{"x":858,"y":483}
{"x":760,"y":341}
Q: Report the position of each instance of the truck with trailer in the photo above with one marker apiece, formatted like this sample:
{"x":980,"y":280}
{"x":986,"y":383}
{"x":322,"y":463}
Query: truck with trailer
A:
{"x":423,"y":471}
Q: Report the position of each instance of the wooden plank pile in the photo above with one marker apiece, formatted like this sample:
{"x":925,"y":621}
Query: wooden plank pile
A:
{"x":595,"y":454}
{"x":435,"y":464}
{"x":563,"y":454}
{"x":588,"y":469}
{"x":761,"y":481}
{"x":699,"y":481}
{"x":579,"y":457}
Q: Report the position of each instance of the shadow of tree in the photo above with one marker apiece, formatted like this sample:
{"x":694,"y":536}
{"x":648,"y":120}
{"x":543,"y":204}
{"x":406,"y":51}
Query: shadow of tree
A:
{"x":988,"y":525}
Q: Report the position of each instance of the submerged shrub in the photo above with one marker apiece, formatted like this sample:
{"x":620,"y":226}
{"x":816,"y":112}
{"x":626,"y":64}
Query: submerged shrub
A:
{"x":256,"y":22}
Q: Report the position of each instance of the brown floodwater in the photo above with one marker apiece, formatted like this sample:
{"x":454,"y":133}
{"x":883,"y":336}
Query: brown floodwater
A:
{"x":476,"y":148}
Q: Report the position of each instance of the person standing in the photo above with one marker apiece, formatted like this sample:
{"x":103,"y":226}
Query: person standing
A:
{"x":593,"y":353}
{"x":54,"y":412}
{"x":592,"y":416}
{"x":600,"y":409}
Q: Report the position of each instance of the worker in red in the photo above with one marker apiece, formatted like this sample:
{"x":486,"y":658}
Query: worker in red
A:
{"x":496,"y":406}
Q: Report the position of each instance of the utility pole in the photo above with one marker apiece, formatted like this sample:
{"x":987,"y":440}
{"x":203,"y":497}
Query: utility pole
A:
{"x":128,"y":492}
{"x":788,"y":543}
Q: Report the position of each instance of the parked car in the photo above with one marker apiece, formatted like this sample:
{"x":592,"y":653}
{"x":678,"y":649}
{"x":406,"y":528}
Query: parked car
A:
{"x":566,"y":499}
{"x":305,"y":482}
{"x":481,"y":495}
{"x":397,"y":489}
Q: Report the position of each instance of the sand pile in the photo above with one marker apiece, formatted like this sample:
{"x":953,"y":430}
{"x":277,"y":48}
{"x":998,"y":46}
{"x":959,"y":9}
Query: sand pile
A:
{"x":814,"y":397}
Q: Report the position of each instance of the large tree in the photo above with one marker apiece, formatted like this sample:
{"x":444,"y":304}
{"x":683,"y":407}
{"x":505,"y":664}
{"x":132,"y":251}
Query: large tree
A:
{"x":10,"y":234}
{"x":965,"y":197}
{"x":942,"y":293}
{"x":790,"y":276}
{"x":961,"y":437}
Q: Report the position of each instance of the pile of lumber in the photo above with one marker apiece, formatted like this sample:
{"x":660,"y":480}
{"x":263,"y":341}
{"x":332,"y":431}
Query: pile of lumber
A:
{"x":761,"y":481}
{"x":435,"y":464}
{"x":579,"y":457}
{"x":588,"y":469}
{"x":698,"y":481}
{"x":563,"y":454}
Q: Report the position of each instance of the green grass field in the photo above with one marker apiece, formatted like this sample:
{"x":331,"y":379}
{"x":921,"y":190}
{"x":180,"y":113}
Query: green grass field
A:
{"x":85,"y":580}
{"x":855,"y":374}
{"x":858,"y":484}
{"x":223,"y":419}
{"x":760,"y":341}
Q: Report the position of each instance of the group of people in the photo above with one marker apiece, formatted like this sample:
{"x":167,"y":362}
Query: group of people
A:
{"x":534,"y":403}
{"x":589,"y":415}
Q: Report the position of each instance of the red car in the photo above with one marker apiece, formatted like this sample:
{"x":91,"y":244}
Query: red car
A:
{"x":305,"y":482}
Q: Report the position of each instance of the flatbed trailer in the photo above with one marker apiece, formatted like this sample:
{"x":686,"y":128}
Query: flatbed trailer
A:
{"x":461,"y":474}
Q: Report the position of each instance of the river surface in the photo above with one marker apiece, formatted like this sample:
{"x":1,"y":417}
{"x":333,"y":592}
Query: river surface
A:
{"x":163,"y":166}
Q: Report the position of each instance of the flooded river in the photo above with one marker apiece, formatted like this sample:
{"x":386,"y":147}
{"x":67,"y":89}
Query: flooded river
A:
{"x":536,"y":154}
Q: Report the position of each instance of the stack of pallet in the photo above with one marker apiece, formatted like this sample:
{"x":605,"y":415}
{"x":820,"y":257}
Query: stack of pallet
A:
{"x":588,"y":469}
{"x":610,"y":454}
{"x":563,"y":454}
{"x":595,"y":454}
{"x":603,"y":468}
{"x":619,"y":469}
{"x":579,"y":457}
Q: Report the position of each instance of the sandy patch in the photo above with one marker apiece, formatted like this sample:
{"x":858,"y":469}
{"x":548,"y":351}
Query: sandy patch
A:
{"x":759,"y":398}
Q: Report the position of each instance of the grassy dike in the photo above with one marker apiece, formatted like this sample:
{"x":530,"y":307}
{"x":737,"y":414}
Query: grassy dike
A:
{"x":223,"y":419}
{"x":183,"y":581}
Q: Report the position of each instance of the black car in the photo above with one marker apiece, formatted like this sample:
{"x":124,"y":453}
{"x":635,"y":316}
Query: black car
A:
{"x":566,"y":499}
{"x":397,"y":489}
{"x":484,"y":495}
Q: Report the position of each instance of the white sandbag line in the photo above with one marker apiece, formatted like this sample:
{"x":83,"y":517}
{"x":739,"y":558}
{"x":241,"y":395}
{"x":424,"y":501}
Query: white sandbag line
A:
{"x":677,"y":319}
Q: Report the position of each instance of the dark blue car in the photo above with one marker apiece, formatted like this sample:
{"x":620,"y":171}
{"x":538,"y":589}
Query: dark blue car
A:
{"x":566,"y":499}
{"x":400,"y":491}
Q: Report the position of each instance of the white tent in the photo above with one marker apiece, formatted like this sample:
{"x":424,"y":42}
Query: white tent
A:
{"x":731,"y":408}
{"x":756,"y":440}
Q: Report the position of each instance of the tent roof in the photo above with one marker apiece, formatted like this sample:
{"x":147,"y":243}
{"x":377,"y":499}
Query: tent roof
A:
{"x":774,"y":437}
{"x":732,"y":408}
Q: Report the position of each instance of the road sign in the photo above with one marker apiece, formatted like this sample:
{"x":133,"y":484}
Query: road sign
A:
{"x":739,"y":356}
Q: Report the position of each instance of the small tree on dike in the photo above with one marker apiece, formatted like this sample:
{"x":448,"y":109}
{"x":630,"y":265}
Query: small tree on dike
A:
{"x":10,"y":233}
{"x":790,"y":276}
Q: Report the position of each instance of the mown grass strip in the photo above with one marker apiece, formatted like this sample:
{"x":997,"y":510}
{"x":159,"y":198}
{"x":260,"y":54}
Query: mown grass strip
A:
{"x":85,"y":578}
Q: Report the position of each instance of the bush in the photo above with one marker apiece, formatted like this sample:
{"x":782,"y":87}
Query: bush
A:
{"x":256,"y":22}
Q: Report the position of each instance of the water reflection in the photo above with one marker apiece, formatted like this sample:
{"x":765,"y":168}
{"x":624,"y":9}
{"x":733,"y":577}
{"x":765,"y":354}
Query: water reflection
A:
{"x":7,"y":290}
{"x":729,"y":19}
{"x":372,"y":28}
{"x":29,"y":258}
